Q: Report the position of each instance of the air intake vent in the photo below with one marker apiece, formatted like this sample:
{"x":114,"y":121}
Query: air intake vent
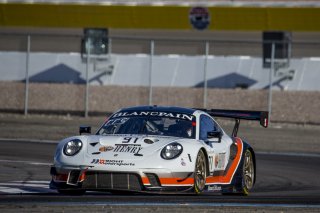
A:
{"x":73,"y":177}
{"x":116,"y":181}
{"x":153,"y":179}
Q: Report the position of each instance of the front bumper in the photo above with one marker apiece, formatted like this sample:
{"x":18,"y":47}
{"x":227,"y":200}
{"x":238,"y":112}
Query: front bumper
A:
{"x":91,"y":180}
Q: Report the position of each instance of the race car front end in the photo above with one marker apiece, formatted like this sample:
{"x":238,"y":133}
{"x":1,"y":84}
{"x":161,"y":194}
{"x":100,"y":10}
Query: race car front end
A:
{"x":106,"y":163}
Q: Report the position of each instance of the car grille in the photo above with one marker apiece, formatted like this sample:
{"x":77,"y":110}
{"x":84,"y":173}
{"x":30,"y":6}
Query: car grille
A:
{"x":115,"y":181}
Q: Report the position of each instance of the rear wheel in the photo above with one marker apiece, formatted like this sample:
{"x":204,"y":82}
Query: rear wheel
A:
{"x":246,"y":182}
{"x":248,"y":173}
{"x":200,"y":173}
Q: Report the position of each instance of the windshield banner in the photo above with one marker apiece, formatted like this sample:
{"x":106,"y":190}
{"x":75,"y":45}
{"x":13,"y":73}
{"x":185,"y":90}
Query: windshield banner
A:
{"x":153,"y":113}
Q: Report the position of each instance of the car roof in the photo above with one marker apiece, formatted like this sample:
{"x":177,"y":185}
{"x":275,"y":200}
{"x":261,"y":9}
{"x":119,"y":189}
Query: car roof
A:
{"x":161,"y":109}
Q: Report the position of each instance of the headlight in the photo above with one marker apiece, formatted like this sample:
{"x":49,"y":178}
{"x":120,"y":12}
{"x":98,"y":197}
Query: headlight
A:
{"x":171,"y":151}
{"x":72,"y":147}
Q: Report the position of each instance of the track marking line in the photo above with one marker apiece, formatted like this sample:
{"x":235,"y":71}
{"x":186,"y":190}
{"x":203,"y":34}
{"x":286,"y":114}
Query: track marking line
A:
{"x":25,"y":187}
{"x":27,"y":162}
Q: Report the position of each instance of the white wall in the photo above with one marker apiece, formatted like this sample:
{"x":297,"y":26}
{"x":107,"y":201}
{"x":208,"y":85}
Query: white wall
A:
{"x":168,"y":70}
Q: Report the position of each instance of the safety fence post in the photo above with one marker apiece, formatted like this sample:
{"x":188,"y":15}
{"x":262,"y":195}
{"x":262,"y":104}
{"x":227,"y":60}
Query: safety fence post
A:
{"x":86,"y":112}
{"x":271,"y":81}
{"x":151,"y":70}
{"x":26,"y":100}
{"x":205,"y":71}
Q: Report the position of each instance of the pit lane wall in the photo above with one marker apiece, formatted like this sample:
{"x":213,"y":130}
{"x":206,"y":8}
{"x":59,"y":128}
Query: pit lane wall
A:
{"x":288,"y":106}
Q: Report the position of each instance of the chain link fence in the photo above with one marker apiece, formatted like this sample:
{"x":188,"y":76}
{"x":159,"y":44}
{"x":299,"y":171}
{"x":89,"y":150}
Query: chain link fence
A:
{"x":52,"y":73}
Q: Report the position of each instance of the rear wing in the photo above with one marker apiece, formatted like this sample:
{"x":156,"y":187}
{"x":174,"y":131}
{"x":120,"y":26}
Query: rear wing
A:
{"x":261,"y":116}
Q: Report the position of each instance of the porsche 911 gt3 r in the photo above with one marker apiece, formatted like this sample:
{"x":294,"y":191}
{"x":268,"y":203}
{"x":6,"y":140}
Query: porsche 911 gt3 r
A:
{"x":158,"y":149}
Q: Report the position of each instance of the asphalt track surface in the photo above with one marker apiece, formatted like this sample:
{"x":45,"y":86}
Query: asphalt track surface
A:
{"x":284,"y":182}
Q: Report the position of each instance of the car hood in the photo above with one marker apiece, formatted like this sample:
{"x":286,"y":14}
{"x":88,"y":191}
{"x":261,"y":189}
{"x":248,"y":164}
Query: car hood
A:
{"x":127,"y":146}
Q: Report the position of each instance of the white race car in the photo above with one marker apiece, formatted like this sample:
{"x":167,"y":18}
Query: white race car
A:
{"x":158,"y":149}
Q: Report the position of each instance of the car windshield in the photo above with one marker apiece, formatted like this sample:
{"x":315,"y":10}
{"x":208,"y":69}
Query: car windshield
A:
{"x":150,"y":125}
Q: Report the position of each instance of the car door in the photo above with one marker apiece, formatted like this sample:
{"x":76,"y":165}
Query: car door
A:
{"x":218,"y":151}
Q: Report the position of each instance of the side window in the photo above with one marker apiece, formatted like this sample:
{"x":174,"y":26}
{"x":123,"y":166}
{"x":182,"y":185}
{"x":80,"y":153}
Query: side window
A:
{"x":207,"y":124}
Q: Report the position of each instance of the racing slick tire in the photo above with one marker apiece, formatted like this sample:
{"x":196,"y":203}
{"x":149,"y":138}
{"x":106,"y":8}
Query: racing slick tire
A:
{"x":200,"y":173}
{"x":248,"y":177}
{"x":247,"y":180}
{"x":77,"y":192}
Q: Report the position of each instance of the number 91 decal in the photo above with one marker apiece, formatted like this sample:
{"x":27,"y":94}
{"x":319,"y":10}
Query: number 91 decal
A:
{"x":129,"y":140}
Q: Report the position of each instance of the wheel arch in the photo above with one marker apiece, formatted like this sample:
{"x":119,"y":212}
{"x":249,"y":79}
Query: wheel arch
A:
{"x":236,"y":185}
{"x":200,"y":178}
{"x":207,"y":160}
{"x":246,"y":146}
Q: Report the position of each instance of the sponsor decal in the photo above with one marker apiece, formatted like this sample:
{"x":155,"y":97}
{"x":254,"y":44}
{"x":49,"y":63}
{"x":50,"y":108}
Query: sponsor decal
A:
{"x":199,"y":17}
{"x":182,"y":162}
{"x":214,"y":188}
{"x":105,"y":148}
{"x":93,"y":144}
{"x":189,"y":157}
{"x":128,"y":148}
{"x":111,"y":162}
{"x":221,"y":160}
{"x":216,"y":160}
{"x":148,"y":141}
{"x":153,"y":113}
{"x":129,"y":139}
{"x":211,"y":162}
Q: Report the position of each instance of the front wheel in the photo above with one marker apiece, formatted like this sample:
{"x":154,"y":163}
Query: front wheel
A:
{"x":200,"y":173}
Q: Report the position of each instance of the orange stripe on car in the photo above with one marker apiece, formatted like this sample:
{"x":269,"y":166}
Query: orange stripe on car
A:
{"x":223,"y":179}
{"x":82,"y":177}
{"x":60,"y":177}
{"x":176,"y":181}
{"x":145,"y":181}
{"x":170,"y":181}
{"x":227,"y":178}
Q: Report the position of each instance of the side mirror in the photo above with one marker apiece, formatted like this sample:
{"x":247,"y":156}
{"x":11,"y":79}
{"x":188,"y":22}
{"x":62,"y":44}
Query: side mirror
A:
{"x":84,"y":129}
{"x":214,"y":136}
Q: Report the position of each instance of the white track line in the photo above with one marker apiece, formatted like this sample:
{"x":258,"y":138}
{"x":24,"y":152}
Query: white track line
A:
{"x":28,"y":140}
{"x":25,"y":187}
{"x":27,"y":162}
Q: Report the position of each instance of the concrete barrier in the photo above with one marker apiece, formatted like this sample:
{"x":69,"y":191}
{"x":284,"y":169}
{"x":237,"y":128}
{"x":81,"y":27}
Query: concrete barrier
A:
{"x":288,"y":106}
